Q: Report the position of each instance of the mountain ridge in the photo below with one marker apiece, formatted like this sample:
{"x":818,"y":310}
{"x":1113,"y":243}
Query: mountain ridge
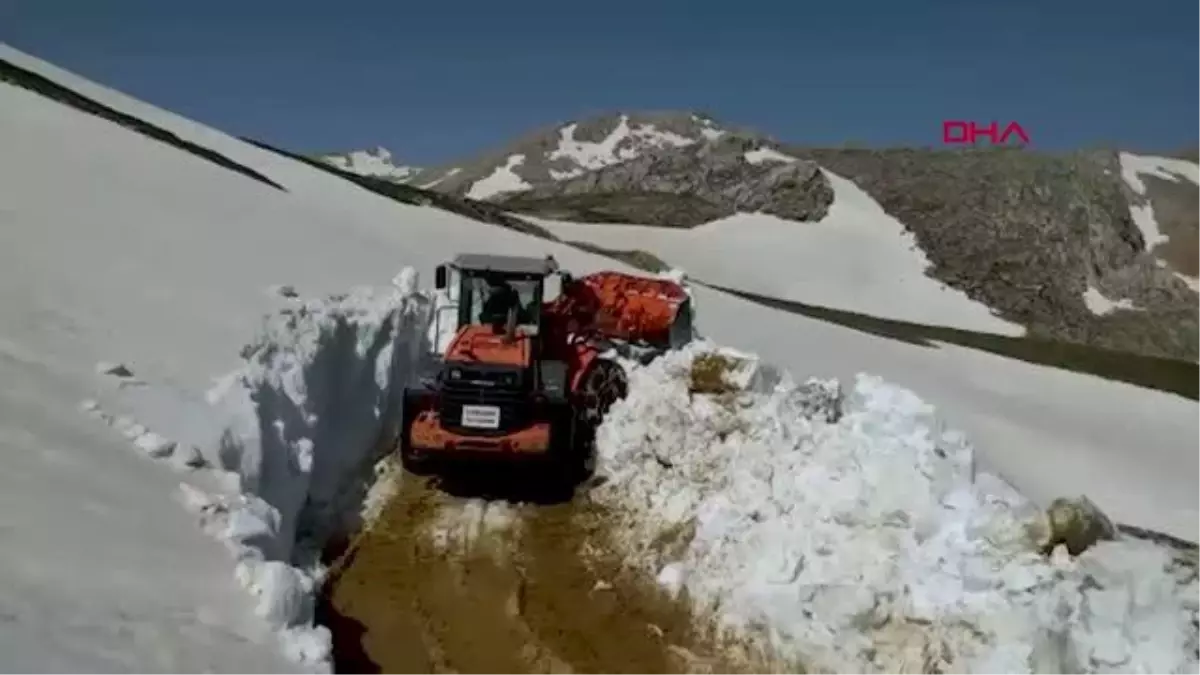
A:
{"x":1068,"y":244}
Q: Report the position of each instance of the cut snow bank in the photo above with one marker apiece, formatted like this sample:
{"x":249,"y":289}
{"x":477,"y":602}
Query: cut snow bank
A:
{"x":306,"y":413}
{"x":848,"y":532}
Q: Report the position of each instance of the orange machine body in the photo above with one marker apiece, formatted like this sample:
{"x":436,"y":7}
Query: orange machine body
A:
{"x":574,"y":327}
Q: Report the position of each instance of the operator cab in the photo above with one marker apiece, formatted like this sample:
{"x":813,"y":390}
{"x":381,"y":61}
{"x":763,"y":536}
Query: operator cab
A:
{"x":505,"y":292}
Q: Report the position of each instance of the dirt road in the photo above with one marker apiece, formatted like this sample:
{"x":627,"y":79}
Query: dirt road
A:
{"x":449,"y":584}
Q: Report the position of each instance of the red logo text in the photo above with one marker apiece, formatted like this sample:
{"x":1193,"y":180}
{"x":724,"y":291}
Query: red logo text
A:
{"x":962,"y":132}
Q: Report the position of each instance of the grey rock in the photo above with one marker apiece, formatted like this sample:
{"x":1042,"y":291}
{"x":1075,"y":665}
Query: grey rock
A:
{"x":540,"y":163}
{"x":716,"y":173}
{"x":1026,"y":233}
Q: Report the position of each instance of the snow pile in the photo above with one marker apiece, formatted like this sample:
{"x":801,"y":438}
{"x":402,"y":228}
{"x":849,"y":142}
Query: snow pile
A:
{"x":306,"y":415}
{"x":847,"y":531}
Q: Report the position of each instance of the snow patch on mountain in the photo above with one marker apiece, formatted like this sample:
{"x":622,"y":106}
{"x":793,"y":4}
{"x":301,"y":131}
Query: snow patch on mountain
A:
{"x":503,"y":179}
{"x":1099,"y":304}
{"x":708,"y":129}
{"x":765,"y":154}
{"x":449,"y":174}
{"x":848,"y":531}
{"x":623,"y":143}
{"x":1133,"y":167}
{"x":1143,"y":213}
{"x":376,"y":163}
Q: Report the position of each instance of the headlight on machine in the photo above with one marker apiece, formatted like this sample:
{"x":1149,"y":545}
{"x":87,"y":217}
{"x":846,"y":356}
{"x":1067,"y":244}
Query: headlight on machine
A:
{"x":456,"y":374}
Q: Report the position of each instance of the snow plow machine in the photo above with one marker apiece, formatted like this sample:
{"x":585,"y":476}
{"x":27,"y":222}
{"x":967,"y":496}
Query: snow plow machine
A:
{"x":525,"y":377}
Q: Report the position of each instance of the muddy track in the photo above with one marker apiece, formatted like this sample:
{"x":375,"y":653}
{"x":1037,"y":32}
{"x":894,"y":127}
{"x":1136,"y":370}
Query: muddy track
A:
{"x":448,"y":584}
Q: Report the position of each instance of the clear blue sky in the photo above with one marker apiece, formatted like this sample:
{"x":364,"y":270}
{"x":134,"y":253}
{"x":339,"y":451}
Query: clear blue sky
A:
{"x":435,"y":80}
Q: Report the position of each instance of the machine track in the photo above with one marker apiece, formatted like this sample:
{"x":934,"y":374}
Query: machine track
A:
{"x":446,"y":584}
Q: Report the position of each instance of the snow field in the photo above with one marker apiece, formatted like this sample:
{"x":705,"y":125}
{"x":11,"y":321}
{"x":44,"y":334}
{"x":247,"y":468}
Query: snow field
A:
{"x":848,"y":531}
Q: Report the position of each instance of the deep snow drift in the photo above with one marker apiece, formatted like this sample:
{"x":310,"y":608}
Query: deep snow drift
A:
{"x":848,"y":531}
{"x":308,"y":414}
{"x":845,"y":529}
{"x":302,"y":424}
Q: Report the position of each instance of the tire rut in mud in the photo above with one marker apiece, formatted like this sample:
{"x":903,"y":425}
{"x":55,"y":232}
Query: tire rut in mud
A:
{"x":447,"y":584}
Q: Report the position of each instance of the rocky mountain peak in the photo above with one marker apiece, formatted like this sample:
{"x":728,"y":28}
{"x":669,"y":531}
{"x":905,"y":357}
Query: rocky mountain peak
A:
{"x":571,"y":149}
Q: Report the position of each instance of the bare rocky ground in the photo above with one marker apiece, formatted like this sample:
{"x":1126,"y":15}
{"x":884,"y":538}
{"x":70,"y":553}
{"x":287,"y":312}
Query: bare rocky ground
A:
{"x":457,"y":584}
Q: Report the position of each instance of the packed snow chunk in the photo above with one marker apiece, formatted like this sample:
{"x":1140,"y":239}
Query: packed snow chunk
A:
{"x":407,"y":282}
{"x":306,"y":411}
{"x":155,"y":445}
{"x":848,"y":531}
{"x":281,"y":590}
{"x":254,"y":524}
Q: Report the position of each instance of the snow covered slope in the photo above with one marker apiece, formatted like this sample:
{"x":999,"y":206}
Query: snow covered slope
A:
{"x":857,"y":258}
{"x":164,"y":261}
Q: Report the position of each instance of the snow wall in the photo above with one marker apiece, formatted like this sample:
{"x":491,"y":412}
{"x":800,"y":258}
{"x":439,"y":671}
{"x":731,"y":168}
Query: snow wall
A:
{"x":846,"y":530}
{"x":306,"y":417}
{"x":841,"y":528}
